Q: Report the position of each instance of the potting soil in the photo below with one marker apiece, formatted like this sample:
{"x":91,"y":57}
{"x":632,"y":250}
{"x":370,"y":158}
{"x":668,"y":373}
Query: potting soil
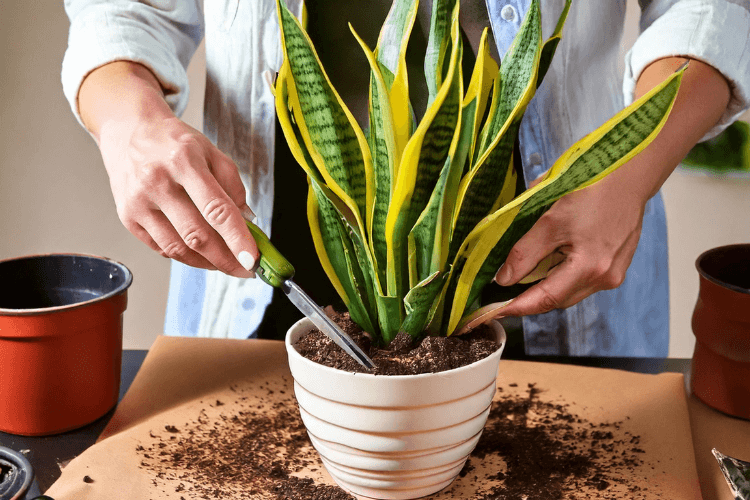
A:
{"x":530,"y":449}
{"x":402,"y":356}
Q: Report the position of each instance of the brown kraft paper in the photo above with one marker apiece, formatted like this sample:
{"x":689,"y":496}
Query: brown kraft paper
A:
{"x":636,"y":426}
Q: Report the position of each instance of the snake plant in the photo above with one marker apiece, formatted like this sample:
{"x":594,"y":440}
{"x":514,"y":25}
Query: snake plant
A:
{"x":412,"y":217}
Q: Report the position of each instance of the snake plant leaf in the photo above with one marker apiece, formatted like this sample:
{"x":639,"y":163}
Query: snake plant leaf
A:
{"x":390,"y":53}
{"x":384,"y":156}
{"x":523,"y":54}
{"x":299,"y":150}
{"x":291,"y":131}
{"x":421,"y":303}
{"x":332,"y":136}
{"x":425,"y":238}
{"x":336,"y":255}
{"x":389,"y":316}
{"x":550,"y":46}
{"x":589,"y":160}
{"x":421,"y":164}
{"x":429,"y":239}
{"x":487,"y":183}
{"x":482,"y":78}
{"x":438,"y":45}
{"x":389,"y":308}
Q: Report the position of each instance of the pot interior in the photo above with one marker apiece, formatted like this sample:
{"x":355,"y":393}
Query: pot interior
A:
{"x":47,"y":281}
{"x":727,"y":266}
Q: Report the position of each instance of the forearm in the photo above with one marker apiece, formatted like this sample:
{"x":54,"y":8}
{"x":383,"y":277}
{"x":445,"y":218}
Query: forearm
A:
{"x":121,"y":93}
{"x":701,"y":101}
{"x":174,"y":190}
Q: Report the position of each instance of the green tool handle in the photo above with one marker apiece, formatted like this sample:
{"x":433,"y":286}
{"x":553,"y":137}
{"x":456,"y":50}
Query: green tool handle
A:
{"x":272,"y":268}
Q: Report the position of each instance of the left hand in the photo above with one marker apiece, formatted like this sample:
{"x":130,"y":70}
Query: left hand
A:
{"x":596,"y":229}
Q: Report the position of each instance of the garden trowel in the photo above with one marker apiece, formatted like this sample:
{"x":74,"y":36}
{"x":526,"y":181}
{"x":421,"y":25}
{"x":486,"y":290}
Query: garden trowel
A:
{"x":275,"y":270}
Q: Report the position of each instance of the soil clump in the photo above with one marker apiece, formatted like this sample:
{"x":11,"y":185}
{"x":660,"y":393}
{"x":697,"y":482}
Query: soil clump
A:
{"x":402,"y":356}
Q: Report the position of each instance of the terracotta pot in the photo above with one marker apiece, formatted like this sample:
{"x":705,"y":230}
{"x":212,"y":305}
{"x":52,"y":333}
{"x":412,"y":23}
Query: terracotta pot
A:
{"x":393,"y":437}
{"x":60,"y":341}
{"x":720,"y":373}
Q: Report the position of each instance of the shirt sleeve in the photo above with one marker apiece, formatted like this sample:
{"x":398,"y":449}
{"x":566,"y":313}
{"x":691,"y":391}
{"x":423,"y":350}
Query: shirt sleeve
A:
{"x":716,"y":32}
{"x":161,"y":34}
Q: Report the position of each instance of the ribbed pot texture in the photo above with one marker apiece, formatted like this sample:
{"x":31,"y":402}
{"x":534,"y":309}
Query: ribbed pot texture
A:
{"x":393,"y":437}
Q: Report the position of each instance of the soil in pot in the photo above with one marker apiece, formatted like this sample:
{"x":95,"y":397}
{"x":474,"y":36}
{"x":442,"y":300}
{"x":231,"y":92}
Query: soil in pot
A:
{"x":402,"y":356}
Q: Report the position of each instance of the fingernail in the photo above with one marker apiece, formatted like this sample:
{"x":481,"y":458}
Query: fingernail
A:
{"x":503,"y":275}
{"x":246,"y":260}
{"x":247,"y":213}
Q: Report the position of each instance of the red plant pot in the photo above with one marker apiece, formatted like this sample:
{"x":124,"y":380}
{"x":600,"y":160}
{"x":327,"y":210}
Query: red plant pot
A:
{"x":720,"y":373}
{"x":60,"y":341}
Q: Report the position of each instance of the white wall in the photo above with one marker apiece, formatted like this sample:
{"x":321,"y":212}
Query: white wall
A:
{"x":55,"y":197}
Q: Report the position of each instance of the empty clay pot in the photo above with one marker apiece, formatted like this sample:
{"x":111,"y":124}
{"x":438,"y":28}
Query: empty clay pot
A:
{"x":60,"y":341}
{"x":393,"y":437}
{"x":720,"y":372}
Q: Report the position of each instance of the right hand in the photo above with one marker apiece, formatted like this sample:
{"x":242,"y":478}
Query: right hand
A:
{"x":174,"y":190}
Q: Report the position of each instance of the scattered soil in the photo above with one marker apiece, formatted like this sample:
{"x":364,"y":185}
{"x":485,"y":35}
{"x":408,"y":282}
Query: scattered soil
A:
{"x":256,"y":452}
{"x":256,"y":447}
{"x":402,"y":356}
{"x":538,"y":450}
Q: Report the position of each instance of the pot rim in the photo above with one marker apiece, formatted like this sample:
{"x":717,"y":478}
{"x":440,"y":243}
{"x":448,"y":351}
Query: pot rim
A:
{"x":47,"y":310}
{"x":293,"y":351}
{"x":719,"y":282}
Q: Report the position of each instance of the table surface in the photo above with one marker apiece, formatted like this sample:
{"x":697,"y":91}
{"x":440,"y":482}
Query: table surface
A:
{"x":48,"y":454}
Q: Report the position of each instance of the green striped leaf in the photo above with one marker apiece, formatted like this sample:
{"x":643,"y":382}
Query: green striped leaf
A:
{"x":389,"y":317}
{"x":589,"y":160}
{"x":429,"y":239}
{"x":289,"y":127}
{"x":383,"y":151}
{"x":421,"y":164}
{"x":438,"y":45}
{"x":482,"y":79}
{"x":333,"y":138}
{"x":513,"y":82}
{"x":391,"y":56}
{"x":336,"y":254}
{"x":425,"y":238}
{"x":486,"y":184}
{"x":421,"y":304}
{"x":550,"y":46}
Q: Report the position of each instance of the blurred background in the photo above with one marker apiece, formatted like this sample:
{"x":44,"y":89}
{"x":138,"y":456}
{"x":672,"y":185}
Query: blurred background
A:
{"x":55,"y":195}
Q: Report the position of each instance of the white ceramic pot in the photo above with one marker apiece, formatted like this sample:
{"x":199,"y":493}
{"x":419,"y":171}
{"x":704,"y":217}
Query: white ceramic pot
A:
{"x":393,"y":437}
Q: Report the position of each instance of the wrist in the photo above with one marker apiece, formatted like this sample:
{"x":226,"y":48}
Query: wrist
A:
{"x":119,"y":97}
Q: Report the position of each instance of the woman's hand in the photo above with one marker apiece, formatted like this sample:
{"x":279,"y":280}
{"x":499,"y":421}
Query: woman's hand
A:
{"x":174,"y":190}
{"x":597,"y":228}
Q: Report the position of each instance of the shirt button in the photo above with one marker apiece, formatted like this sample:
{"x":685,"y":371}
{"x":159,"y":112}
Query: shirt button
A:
{"x":508,"y":13}
{"x":248,"y":304}
{"x":534,"y":159}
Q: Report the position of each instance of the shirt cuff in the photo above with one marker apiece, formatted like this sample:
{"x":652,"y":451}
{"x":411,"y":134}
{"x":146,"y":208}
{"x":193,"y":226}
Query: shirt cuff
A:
{"x":100,"y":36}
{"x":716,"y":33}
